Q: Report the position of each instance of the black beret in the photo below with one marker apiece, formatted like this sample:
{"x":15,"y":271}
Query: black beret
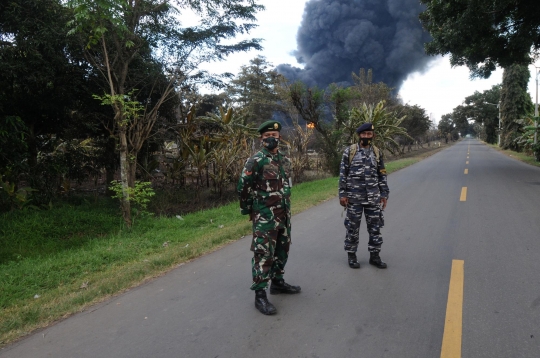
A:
{"x":269,"y":126}
{"x":365,"y":127}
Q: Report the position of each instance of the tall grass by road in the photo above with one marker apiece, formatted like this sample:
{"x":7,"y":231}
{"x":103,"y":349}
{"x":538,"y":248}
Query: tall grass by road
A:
{"x":56,"y":262}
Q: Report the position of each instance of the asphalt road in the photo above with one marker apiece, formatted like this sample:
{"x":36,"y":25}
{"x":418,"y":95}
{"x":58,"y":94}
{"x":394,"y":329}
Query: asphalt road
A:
{"x":205,"y":308}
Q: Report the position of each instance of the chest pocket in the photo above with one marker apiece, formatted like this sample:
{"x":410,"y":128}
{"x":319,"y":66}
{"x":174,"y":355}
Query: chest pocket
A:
{"x":356,"y":168}
{"x":269,"y":180}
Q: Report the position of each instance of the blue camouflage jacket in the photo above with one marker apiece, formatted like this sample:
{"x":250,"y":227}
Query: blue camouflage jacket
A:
{"x":364,"y":180}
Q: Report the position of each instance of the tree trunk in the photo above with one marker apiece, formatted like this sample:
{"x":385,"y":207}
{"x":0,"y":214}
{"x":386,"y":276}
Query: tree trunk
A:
{"x":132,"y":170}
{"x":124,"y":177}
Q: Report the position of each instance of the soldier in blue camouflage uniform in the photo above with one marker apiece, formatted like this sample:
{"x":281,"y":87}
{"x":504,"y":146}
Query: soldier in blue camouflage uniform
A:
{"x":363,"y":188}
{"x":265,"y":190}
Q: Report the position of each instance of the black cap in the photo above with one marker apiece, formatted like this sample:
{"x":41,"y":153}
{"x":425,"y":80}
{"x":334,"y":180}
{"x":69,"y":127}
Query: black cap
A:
{"x":365,"y":127}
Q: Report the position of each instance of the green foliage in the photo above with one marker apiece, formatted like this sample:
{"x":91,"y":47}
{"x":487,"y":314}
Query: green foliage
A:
{"x":483,"y":34}
{"x":253,"y":91}
{"x":415,"y":121}
{"x":12,"y":197}
{"x":139,"y":195}
{"x":95,"y":18}
{"x":13,"y":147}
{"x":446,"y":127}
{"x":483,"y":108}
{"x":365,"y":91}
{"x":129,"y":107}
{"x":386,"y":123}
{"x":526,"y":139}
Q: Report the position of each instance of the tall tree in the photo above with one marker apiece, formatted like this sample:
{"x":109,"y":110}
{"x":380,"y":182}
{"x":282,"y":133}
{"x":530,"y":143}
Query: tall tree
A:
{"x":446,"y":126}
{"x":516,"y":104}
{"x":254,"y":91}
{"x":416,"y":121}
{"x":482,"y":34}
{"x":483,"y":107}
{"x":365,"y":91}
{"x":120,"y":32}
{"x":42,"y":74}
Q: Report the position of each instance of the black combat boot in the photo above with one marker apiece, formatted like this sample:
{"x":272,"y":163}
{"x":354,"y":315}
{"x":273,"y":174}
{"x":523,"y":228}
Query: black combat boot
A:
{"x":375,"y":260}
{"x":353,"y":261}
{"x":262,"y":304}
{"x":280,"y":286}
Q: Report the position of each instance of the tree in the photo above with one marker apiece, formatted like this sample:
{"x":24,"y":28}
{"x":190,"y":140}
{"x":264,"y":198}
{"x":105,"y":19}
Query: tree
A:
{"x":42,"y":74}
{"x":483,"y":108}
{"x":121,"y":32}
{"x":446,"y":127}
{"x":516,"y":104}
{"x":365,"y":91}
{"x":310,"y":104}
{"x":484,"y":33}
{"x":254,"y":91}
{"x":416,"y":122}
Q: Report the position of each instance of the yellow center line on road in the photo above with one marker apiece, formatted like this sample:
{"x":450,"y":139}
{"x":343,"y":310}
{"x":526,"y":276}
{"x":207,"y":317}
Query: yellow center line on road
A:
{"x":451,"y":344}
{"x":466,"y":171}
{"x":463,"y":196}
{"x":467,"y":162}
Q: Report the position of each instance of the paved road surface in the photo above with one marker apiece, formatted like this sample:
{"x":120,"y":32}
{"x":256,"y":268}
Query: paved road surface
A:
{"x":205,"y":309}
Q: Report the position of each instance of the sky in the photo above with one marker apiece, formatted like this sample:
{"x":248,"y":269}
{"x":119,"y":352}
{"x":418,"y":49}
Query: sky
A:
{"x":438,"y":89}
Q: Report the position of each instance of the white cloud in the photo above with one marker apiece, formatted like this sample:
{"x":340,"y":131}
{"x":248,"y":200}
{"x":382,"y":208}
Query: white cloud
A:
{"x":277,"y":26}
{"x":441,"y":87}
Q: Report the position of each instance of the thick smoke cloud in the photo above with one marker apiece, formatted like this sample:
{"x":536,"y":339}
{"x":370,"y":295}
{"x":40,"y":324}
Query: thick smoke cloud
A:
{"x":338,"y":37}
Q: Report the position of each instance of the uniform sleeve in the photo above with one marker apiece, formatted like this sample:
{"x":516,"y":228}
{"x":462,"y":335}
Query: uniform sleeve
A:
{"x":343,"y":173}
{"x":245,"y":186}
{"x":383,"y":182}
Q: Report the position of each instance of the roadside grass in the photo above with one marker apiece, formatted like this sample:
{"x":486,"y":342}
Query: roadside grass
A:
{"x":57,"y":262}
{"x":529,"y":159}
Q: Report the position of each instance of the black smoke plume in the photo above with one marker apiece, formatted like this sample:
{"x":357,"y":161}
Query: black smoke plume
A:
{"x":338,"y":37}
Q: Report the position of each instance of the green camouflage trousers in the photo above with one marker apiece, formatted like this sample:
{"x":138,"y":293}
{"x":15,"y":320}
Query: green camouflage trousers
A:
{"x":270,"y":253}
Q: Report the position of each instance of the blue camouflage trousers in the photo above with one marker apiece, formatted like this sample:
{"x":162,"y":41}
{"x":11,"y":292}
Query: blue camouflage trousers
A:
{"x":372,"y":214}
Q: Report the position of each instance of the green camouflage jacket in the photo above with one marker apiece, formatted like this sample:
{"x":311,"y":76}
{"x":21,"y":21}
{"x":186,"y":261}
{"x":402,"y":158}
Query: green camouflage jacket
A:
{"x":264,"y":190}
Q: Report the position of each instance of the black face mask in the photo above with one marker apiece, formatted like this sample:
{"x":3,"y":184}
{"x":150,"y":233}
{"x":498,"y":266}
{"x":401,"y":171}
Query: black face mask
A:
{"x":365,"y":141}
{"x":270,"y":143}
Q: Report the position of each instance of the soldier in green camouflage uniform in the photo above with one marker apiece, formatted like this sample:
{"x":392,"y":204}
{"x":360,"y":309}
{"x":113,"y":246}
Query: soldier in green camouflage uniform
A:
{"x":264,"y":190}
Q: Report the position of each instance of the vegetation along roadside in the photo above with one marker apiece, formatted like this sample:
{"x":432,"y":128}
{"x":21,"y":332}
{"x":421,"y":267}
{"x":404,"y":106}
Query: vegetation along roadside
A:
{"x":71,"y":257}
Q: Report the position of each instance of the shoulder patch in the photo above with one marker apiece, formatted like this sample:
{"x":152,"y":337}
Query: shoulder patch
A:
{"x":249,"y":166}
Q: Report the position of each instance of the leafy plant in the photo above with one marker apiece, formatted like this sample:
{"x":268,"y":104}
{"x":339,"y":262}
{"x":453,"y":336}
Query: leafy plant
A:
{"x":526,"y":139}
{"x":386,"y":125}
{"x":139,"y":195}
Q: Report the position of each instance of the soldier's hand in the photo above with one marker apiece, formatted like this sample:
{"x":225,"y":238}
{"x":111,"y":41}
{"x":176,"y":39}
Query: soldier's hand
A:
{"x":343,"y":201}
{"x":384,"y":201}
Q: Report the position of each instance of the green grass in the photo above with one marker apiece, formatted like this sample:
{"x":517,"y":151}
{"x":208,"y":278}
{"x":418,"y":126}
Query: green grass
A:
{"x":529,"y":159}
{"x":75,"y":255}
